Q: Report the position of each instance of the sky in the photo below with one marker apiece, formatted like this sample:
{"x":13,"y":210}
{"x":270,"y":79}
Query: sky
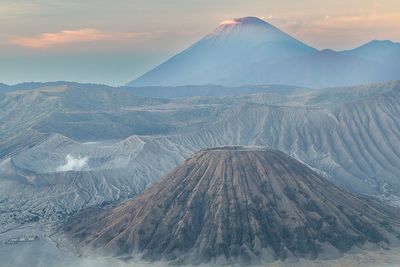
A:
{"x":114,"y":41}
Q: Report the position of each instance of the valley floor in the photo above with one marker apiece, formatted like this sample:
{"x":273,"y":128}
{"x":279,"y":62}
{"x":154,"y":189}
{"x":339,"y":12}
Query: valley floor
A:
{"x":45,"y":252}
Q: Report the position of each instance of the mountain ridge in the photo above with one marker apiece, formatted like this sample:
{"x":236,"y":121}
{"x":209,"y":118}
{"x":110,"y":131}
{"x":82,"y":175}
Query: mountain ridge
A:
{"x":251,"y":51}
{"x":217,"y":50}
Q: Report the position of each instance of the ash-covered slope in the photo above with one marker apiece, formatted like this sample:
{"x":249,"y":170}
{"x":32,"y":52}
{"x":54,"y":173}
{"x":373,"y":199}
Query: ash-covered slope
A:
{"x":238,"y":205}
{"x":351,"y":135}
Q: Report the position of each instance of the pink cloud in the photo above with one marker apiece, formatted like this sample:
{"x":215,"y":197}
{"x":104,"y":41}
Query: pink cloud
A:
{"x":46,"y":40}
{"x":228,"y":22}
{"x":341,"y":31}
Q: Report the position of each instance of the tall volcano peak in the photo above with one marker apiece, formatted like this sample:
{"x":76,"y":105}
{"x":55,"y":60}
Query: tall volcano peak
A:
{"x":234,"y":44}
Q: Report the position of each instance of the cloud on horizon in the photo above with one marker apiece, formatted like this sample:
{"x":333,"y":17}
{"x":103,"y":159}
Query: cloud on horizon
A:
{"x":46,"y":40}
{"x":330,"y":30}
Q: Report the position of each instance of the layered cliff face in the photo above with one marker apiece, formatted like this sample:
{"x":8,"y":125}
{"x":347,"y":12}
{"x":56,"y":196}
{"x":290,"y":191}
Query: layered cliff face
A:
{"x":237,"y":205}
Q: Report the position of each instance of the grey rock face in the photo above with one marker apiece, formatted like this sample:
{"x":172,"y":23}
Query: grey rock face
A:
{"x":243,"y":205}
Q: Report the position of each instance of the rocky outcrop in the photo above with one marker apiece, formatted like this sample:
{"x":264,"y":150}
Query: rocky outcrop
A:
{"x":238,"y":205}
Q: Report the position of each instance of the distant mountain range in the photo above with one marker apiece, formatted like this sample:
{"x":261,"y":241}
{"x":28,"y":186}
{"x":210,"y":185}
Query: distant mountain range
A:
{"x":251,"y":51}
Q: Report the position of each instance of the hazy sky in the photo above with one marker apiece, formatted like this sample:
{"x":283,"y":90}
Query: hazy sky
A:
{"x":112,"y":42}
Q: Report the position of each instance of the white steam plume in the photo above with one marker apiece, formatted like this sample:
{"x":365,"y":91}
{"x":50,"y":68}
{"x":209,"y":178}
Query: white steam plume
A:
{"x":73,"y":164}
